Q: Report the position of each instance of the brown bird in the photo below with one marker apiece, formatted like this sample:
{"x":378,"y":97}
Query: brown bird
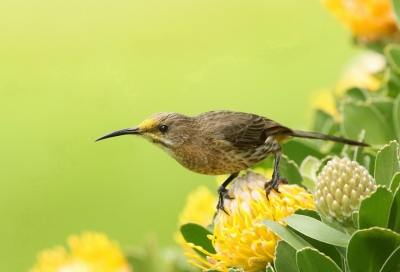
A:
{"x":221,"y":142}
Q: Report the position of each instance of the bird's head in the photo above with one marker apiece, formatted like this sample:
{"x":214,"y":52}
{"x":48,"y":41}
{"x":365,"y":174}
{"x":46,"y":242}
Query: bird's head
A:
{"x":166,"y":129}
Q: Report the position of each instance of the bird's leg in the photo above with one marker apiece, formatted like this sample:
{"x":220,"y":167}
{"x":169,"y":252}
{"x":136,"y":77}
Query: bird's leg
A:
{"x":223,"y":192}
{"x":276,"y":179}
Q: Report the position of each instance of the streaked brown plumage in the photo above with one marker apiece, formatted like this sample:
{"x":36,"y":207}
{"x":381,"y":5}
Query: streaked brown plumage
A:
{"x":221,"y":142}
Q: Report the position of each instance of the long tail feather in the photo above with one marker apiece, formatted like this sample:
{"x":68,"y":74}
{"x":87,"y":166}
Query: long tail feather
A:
{"x":312,"y":135}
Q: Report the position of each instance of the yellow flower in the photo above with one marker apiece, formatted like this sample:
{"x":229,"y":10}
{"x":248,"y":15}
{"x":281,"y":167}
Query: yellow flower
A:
{"x":369,"y":20}
{"x":90,"y":252}
{"x":240,"y":240}
{"x":199,"y":209}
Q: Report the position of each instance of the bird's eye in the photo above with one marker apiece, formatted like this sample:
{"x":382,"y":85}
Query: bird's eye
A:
{"x":163,"y":128}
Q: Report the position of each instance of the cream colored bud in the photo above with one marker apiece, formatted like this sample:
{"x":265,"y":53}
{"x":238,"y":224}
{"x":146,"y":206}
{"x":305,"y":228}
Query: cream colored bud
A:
{"x":341,"y":186}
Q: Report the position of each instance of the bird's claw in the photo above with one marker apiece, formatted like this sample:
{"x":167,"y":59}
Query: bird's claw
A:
{"x":273,"y":184}
{"x":222,"y":194}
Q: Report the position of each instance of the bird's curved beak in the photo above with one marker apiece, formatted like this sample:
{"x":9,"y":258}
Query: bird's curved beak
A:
{"x":132,"y":130}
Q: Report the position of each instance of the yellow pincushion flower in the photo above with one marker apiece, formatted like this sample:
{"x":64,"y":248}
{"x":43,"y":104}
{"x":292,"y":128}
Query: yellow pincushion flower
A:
{"x":90,"y":252}
{"x":240,"y":240}
{"x":369,"y":20}
{"x":199,"y":209}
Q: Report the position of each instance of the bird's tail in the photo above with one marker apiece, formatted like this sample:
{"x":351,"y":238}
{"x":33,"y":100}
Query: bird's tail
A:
{"x":312,"y":135}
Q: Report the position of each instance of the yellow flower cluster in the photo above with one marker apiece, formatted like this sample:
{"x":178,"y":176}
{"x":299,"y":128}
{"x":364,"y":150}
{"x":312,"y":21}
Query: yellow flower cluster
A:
{"x":369,"y":20}
{"x":240,"y":240}
{"x":90,"y":252}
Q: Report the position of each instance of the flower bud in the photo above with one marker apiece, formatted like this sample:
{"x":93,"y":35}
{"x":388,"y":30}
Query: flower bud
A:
{"x":341,"y":186}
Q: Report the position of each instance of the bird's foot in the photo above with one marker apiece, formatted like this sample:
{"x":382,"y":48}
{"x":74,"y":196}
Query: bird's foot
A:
{"x":273,"y":184}
{"x":222,"y":194}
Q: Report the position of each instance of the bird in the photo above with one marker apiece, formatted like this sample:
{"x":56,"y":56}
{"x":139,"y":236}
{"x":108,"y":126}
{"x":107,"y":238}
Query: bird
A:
{"x":221,"y":142}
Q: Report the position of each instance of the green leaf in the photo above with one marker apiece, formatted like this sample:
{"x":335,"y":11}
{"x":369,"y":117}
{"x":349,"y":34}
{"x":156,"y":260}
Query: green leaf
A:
{"x":321,"y":119}
{"x":330,"y":250}
{"x":391,"y":82}
{"x":362,"y":116}
{"x":394,"y":217}
{"x":369,"y":249}
{"x":392,"y":263}
{"x":196,"y":234}
{"x":316,"y":230}
{"x":392,"y":54}
{"x":299,"y":149}
{"x":392,"y":75}
{"x":311,"y":260}
{"x":355,"y":217}
{"x":396,"y":9}
{"x":396,"y":116}
{"x":285,"y":257}
{"x":270,"y":268}
{"x":374,"y":209}
{"x":368,"y":160}
{"x":394,"y":184}
{"x":346,"y":266}
{"x":309,"y":213}
{"x":332,"y":224}
{"x":285,"y":234}
{"x":387,"y":163}
{"x":310,"y":165}
{"x":342,"y":251}
{"x":308,"y":169}
{"x":290,"y":170}
{"x":385,"y":106}
{"x":357,"y":94}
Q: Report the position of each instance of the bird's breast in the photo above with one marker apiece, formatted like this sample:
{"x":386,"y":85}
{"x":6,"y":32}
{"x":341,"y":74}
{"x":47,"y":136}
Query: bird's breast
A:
{"x":213,"y":159}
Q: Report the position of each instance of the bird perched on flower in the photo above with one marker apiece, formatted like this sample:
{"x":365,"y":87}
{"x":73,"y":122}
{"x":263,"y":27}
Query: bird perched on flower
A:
{"x":221,"y":142}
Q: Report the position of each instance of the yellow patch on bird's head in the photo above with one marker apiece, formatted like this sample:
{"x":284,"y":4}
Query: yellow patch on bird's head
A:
{"x":157,"y":129}
{"x":149,"y":129}
{"x":148,"y":125}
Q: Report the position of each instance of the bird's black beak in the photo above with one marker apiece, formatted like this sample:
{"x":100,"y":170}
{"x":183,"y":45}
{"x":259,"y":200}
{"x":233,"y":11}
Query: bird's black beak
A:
{"x":133,"y":130}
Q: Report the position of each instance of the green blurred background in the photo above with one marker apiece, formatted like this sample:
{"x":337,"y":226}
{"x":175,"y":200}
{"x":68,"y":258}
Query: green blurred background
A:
{"x":71,"y":71}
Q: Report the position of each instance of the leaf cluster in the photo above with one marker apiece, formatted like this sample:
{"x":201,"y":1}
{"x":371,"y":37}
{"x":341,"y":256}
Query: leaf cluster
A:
{"x":309,"y":243}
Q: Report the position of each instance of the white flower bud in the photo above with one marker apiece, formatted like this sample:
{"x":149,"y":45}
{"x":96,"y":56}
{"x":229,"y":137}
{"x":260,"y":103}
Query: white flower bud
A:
{"x":341,"y":186}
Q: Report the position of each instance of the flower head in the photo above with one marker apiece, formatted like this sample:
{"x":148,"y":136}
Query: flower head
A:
{"x":90,"y":252}
{"x":369,"y":20}
{"x":240,"y":240}
{"x":341,"y":186}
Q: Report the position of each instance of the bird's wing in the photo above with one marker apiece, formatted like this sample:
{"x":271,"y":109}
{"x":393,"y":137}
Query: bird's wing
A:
{"x":243,"y":129}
